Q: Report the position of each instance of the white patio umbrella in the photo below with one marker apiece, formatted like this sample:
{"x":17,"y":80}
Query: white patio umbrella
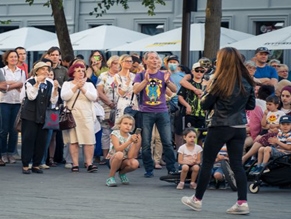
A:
{"x":25,"y":37}
{"x":277,"y":39}
{"x":171,"y":40}
{"x":102,"y":37}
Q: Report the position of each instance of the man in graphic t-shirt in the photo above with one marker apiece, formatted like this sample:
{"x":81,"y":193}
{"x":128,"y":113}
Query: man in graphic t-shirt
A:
{"x":152,"y":85}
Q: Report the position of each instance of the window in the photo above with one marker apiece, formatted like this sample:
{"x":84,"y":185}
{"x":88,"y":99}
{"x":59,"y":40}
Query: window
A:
{"x":152,"y":29}
{"x":268,"y":26}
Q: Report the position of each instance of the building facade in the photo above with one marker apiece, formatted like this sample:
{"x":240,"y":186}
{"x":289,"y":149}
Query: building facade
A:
{"x":254,"y":17}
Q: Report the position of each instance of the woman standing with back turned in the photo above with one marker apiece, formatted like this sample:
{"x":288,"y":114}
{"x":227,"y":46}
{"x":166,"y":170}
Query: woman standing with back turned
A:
{"x":229,"y":94}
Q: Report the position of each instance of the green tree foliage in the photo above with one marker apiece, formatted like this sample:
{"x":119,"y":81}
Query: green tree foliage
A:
{"x":104,"y":5}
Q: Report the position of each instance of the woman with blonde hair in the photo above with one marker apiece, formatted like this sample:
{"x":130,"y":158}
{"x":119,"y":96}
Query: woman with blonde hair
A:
{"x":107,"y":92}
{"x":124,"y":83}
{"x":229,"y":95}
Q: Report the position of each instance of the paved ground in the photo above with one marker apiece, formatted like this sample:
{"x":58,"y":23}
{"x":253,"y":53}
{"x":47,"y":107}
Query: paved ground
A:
{"x":58,"y":193}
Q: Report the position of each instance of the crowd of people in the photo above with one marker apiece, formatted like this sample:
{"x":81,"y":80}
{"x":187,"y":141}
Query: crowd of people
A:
{"x":244,"y":104}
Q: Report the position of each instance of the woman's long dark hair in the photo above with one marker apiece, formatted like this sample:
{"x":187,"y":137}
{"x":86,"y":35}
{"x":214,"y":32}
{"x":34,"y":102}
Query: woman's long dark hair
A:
{"x":230,"y":70}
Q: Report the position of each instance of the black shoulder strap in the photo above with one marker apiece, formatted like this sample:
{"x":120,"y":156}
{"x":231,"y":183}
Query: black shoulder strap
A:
{"x":75,"y":99}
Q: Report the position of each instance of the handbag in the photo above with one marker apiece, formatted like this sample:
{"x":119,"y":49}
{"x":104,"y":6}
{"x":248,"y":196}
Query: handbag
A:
{"x":52,"y":119}
{"x":67,"y":120}
{"x":18,"y":123}
{"x":129,"y":110}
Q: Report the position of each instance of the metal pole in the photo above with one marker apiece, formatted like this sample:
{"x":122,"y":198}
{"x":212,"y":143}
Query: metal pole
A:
{"x":186,"y":25}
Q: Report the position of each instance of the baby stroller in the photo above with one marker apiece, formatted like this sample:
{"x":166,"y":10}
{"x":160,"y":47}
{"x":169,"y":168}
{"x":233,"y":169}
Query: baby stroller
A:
{"x":277,"y":172}
{"x":227,"y":171}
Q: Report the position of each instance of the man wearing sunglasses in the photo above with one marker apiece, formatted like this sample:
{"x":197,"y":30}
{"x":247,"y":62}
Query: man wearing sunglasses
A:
{"x":265,"y":73}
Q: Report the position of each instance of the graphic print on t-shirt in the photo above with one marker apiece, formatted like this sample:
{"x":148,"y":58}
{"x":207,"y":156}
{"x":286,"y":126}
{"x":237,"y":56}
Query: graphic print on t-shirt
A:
{"x":153,"y":91}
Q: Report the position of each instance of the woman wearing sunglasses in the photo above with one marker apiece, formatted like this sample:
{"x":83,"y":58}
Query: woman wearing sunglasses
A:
{"x":97,"y":65}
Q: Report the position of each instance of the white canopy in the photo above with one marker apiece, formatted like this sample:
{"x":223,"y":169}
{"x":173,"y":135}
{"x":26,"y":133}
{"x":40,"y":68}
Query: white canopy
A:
{"x":171,"y":40}
{"x":102,"y":37}
{"x":25,"y":37}
{"x":277,"y":39}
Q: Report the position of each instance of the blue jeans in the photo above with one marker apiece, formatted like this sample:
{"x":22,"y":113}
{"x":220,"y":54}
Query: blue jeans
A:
{"x":47,"y":145}
{"x":98,"y":146}
{"x":9,"y":135}
{"x":234,"y":139}
{"x":162,"y":121}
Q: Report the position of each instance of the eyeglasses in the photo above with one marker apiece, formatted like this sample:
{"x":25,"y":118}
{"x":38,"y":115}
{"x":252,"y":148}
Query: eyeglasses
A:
{"x":283,"y":71}
{"x":199,"y":71}
{"x":275,"y":66}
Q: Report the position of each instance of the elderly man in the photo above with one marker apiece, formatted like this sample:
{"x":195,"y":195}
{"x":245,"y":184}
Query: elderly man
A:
{"x":265,"y":73}
{"x":152,"y":85}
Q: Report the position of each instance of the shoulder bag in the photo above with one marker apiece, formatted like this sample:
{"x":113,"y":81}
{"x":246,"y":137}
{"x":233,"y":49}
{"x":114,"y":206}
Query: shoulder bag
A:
{"x":52,"y":118}
{"x":67,"y":120}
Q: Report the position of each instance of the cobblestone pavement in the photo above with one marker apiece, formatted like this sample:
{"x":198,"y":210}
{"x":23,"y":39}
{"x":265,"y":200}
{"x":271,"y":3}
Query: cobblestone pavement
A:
{"x":60,"y":194}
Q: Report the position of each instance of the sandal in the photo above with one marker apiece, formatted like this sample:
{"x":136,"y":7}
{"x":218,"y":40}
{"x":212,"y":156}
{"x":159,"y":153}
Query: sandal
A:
{"x":102,"y":162}
{"x":75,"y":169}
{"x":92,"y":168}
{"x":52,"y":163}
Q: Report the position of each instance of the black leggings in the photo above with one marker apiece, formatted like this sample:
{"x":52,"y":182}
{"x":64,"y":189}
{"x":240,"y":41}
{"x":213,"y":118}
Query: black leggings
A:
{"x":234,"y":139}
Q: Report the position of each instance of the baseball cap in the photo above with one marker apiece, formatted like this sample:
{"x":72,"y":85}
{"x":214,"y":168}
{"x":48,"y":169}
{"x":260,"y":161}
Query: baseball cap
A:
{"x":262,"y":49}
{"x":173,"y":57}
{"x":197,"y":65}
{"x":285,"y":119}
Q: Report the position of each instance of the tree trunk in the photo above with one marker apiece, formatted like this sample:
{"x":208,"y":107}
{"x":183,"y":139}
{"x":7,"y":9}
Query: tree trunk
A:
{"x":61,"y":28}
{"x":212,"y":28}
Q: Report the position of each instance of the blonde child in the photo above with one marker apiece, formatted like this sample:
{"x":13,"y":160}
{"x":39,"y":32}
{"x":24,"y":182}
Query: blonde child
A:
{"x":280,"y":145}
{"x":124,"y":149}
{"x":189,"y":158}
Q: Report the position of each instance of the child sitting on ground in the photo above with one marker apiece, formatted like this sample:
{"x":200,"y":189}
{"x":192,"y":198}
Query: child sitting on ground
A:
{"x":124,"y":149}
{"x":189,"y":158}
{"x":280,"y":145}
{"x":217,"y":173}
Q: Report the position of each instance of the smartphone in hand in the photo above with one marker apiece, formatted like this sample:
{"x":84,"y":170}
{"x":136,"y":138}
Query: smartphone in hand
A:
{"x":137,"y":131}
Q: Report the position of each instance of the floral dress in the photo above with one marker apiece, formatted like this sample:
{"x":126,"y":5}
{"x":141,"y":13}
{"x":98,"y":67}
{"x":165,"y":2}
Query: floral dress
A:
{"x":125,"y":100}
{"x":122,"y":140}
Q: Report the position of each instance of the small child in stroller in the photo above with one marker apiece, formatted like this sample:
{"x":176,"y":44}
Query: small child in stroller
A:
{"x":280,"y":145}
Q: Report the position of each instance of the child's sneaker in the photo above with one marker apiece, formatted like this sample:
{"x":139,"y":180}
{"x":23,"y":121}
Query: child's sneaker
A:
{"x":180,"y":186}
{"x":110,"y":182}
{"x":193,"y":185}
{"x":239,"y":209}
{"x":123,"y":178}
{"x":258,"y":170}
{"x":253,"y":170}
{"x":192,"y":202}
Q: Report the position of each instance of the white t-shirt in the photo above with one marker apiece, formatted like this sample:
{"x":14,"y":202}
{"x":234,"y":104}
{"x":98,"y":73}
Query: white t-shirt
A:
{"x":190,"y":155}
{"x":274,"y":117}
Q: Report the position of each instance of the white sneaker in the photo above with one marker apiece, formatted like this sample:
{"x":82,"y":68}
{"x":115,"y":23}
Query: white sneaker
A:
{"x":5,"y":158}
{"x":196,"y":205}
{"x":180,"y":185}
{"x":239,"y":209}
{"x":44,"y":166}
{"x":68,"y":165}
{"x":11,"y":159}
{"x":29,"y":166}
